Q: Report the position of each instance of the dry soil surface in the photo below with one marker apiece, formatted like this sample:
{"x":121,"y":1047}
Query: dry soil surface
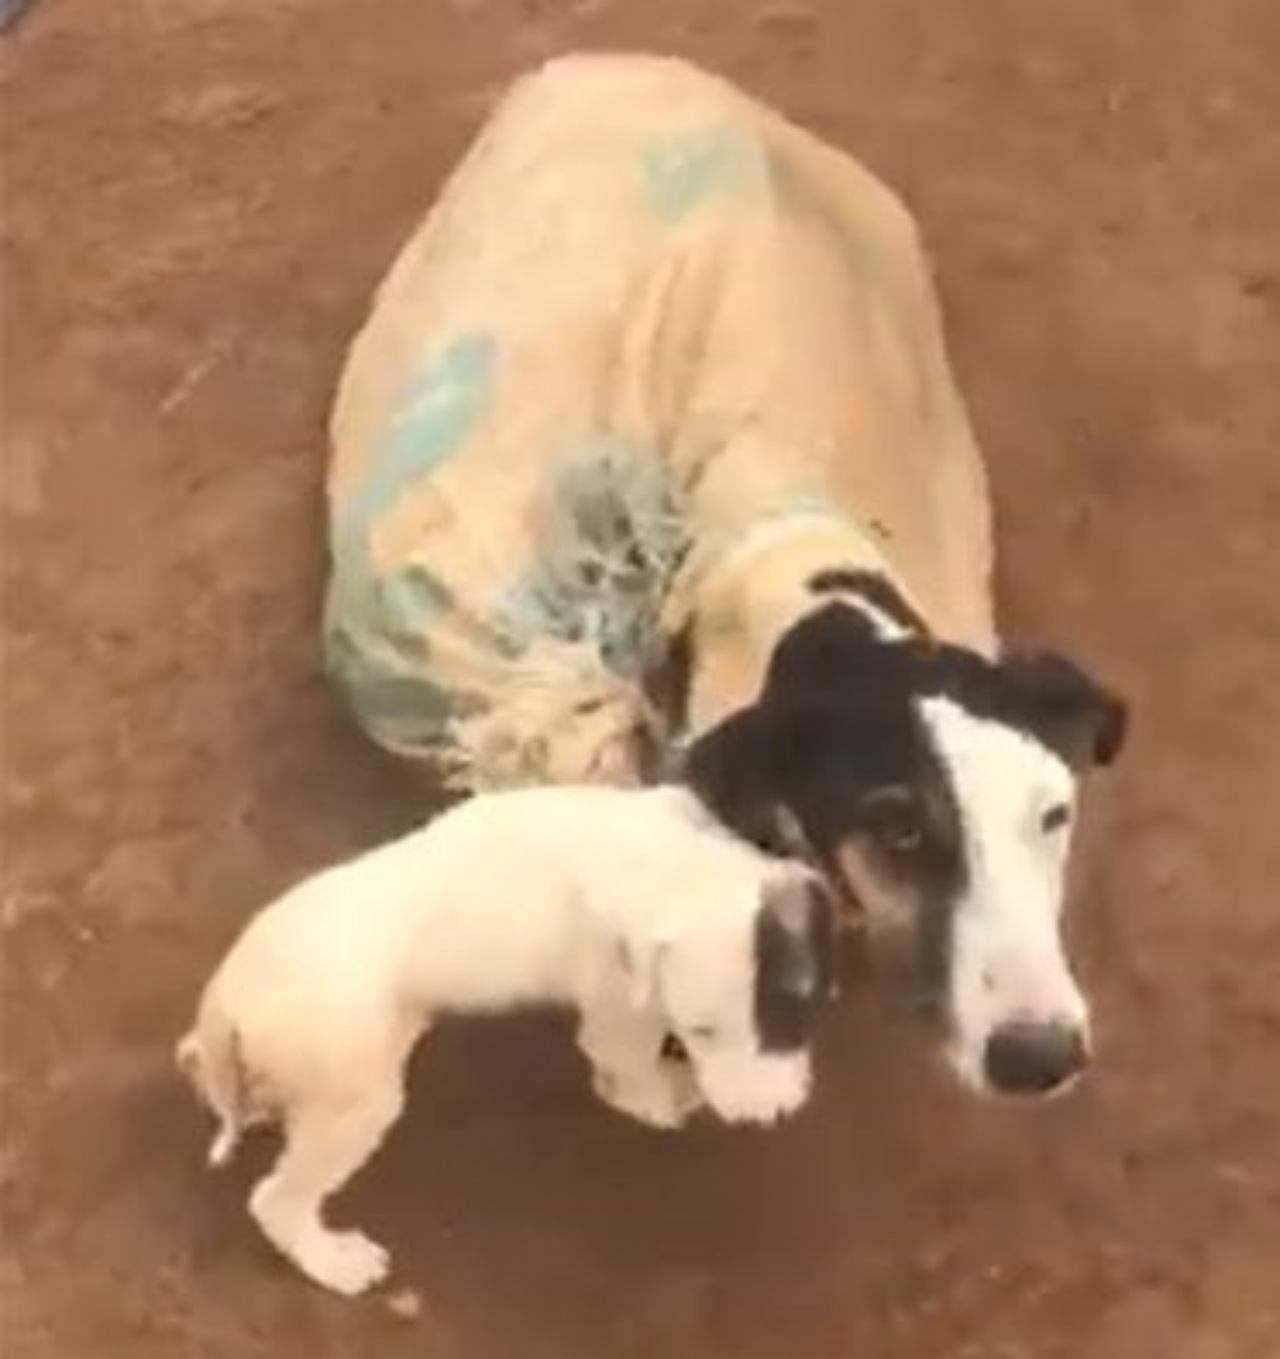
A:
{"x":199,"y":195}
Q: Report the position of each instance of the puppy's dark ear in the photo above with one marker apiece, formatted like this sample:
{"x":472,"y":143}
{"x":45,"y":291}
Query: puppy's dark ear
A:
{"x":794,"y":948}
{"x":799,"y":899}
{"x":733,"y":769}
{"x":1067,"y":708}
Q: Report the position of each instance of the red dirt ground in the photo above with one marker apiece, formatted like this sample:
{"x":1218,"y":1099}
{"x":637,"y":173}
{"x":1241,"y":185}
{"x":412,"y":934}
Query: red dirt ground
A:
{"x":200,"y":195}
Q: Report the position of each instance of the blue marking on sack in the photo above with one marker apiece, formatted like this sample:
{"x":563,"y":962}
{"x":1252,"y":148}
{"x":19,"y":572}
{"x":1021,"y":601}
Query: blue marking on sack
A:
{"x":441,"y":406}
{"x":387,"y":698}
{"x":410,"y":600}
{"x":681,"y":173}
{"x":606,"y":558}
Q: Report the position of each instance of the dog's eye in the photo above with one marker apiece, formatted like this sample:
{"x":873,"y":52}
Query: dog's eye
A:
{"x":898,"y":831}
{"x":893,"y":817}
{"x":703,"y":1033}
{"x":1056,"y":818}
{"x":903,"y":837}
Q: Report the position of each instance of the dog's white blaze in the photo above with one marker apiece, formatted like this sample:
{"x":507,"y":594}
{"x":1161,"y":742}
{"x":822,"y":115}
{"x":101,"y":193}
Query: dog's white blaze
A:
{"x":1007,"y":960}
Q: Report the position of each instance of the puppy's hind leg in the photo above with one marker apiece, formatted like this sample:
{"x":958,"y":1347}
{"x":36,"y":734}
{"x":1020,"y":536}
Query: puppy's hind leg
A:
{"x":326,"y":1142}
{"x":212,"y":1064}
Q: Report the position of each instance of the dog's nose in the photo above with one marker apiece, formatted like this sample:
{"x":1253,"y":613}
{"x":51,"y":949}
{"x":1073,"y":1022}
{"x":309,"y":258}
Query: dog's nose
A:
{"x":1029,"y":1057}
{"x":673,"y":1050}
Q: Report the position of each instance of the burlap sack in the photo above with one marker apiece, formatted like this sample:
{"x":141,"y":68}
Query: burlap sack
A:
{"x":648,"y":323}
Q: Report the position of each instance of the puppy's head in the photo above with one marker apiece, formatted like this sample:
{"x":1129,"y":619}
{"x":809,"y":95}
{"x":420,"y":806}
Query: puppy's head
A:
{"x":938,"y":789}
{"x":739,"y":978}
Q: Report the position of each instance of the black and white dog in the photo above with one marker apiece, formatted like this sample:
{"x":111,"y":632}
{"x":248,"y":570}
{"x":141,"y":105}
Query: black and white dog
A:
{"x":937,"y":787}
{"x":662,"y":376}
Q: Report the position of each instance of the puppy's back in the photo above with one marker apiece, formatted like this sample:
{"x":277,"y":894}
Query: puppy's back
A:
{"x":479,"y":910}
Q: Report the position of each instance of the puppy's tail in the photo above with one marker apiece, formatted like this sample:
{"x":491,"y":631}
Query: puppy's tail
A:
{"x":209,"y":1057}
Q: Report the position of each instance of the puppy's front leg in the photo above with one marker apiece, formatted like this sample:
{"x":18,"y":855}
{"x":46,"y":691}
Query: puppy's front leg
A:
{"x":628,"y":1069}
{"x":326,"y":1142}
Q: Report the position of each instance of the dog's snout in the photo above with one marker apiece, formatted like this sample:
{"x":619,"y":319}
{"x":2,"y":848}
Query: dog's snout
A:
{"x":1031,"y":1057}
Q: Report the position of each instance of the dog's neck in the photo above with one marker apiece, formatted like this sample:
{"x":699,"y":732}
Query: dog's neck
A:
{"x":745,"y":601}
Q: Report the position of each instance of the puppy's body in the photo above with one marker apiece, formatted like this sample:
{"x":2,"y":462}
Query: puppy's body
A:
{"x":630,"y":906}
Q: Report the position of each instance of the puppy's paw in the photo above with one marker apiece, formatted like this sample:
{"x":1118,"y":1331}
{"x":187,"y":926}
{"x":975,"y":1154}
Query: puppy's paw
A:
{"x":344,"y":1262}
{"x":686,"y":1094}
{"x":655,"y":1101}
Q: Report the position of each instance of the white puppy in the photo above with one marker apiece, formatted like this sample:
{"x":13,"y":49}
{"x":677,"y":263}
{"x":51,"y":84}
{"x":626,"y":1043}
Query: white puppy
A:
{"x":631,"y":906}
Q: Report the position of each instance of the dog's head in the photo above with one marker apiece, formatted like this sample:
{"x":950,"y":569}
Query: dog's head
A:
{"x":938,"y":789}
{"x":738,"y":979}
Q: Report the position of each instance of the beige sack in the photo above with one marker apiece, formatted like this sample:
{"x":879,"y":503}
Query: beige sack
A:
{"x":646,"y":320}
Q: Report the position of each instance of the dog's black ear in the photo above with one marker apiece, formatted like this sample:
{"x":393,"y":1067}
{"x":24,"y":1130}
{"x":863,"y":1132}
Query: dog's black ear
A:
{"x":820,"y":653}
{"x":734,"y":771}
{"x":1067,"y":708}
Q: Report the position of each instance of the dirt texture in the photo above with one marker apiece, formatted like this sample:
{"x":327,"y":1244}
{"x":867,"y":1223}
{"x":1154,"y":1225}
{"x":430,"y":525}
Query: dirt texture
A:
{"x":199,"y":196}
